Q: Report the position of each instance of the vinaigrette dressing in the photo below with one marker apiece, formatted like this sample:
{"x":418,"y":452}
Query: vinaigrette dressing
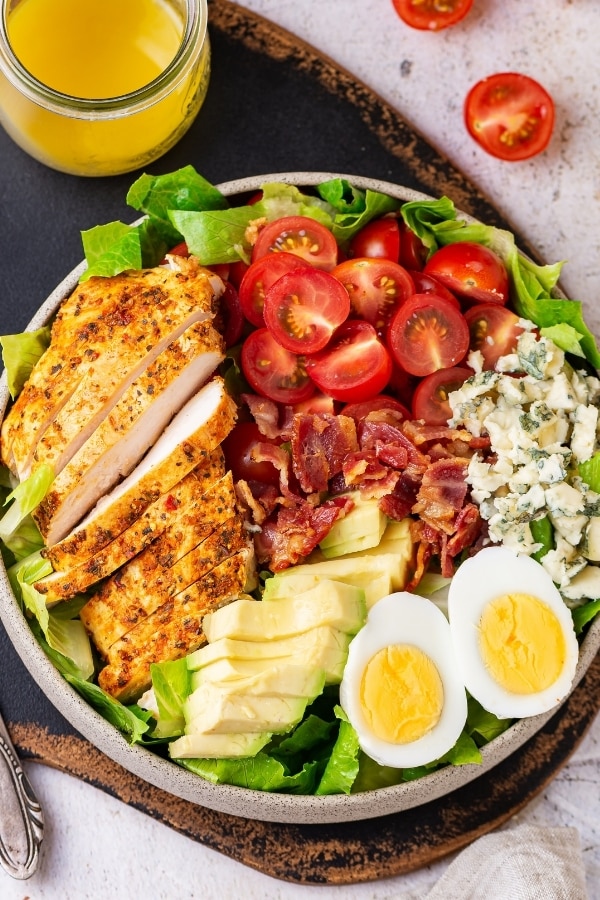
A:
{"x":100,"y":88}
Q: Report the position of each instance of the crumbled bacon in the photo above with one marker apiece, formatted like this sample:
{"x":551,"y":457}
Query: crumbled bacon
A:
{"x":320,"y":443}
{"x":293,"y":533}
{"x":442,"y":493}
{"x":265,"y":413}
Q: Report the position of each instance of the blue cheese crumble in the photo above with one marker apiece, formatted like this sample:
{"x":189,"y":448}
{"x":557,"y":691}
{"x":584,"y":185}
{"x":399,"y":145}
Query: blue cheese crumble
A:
{"x":541,"y":417}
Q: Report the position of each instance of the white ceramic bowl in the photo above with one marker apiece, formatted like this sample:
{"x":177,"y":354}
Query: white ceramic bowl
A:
{"x":225,"y":798}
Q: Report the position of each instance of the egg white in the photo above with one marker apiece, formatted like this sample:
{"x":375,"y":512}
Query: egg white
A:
{"x":404,"y":618}
{"x":493,"y":572}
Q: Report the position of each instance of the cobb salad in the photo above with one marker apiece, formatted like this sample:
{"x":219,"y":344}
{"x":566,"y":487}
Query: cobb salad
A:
{"x":414,"y":459}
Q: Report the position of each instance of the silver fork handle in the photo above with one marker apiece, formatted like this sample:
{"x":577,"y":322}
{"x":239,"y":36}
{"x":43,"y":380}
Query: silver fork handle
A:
{"x":21,"y":819}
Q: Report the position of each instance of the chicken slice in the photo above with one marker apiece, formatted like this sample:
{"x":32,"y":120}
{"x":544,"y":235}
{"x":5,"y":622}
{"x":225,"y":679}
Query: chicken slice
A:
{"x":196,"y":430}
{"x":108,"y":394}
{"x":145,"y":583}
{"x":119,"y":324}
{"x":135,"y":423}
{"x":174,"y":630}
{"x":154,"y":521}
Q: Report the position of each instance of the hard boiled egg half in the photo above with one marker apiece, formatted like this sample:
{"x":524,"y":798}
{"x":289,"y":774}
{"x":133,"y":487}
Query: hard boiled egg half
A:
{"x":401,"y":688}
{"x":513,"y":634}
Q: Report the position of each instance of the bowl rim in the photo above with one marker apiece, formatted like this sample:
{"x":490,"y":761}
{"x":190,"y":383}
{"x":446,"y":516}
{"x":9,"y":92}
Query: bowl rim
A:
{"x":238,"y":801}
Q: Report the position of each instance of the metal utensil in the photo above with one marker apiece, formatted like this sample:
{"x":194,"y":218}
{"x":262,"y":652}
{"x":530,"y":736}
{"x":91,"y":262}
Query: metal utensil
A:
{"x":21,"y":819}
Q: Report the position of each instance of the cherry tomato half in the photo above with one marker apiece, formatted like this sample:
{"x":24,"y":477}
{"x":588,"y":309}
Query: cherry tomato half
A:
{"x":272,"y":371}
{"x":427,"y":334}
{"x":376,"y":288}
{"x":238,"y":446}
{"x":259,"y":277}
{"x":300,"y":235}
{"x":430,"y":401}
{"x":427,"y":284}
{"x":354,"y":366}
{"x":379,"y":239}
{"x":510,"y":116}
{"x":494,"y":331}
{"x":303,"y":308}
{"x":471,"y":271}
{"x":431,"y":15}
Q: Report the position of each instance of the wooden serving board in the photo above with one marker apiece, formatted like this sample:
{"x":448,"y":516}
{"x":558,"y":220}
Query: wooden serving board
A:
{"x":274,"y":105}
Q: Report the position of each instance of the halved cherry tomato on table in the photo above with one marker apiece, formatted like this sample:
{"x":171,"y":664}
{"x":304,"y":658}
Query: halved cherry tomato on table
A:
{"x":258,"y":279}
{"x":432,"y":15}
{"x":359,"y":411}
{"x":427,"y":334}
{"x":471,"y":271}
{"x":510,"y":116}
{"x":354,"y":366}
{"x":238,"y":446}
{"x":376,"y":288}
{"x":303,"y":308}
{"x":379,"y":239}
{"x":427,"y":284}
{"x":430,"y":401}
{"x":272,"y":371}
{"x":300,"y":235}
{"x":494,"y":331}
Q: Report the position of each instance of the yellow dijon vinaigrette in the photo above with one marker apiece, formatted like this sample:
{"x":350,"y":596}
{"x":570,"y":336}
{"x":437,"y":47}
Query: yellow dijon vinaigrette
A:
{"x":102,"y":86}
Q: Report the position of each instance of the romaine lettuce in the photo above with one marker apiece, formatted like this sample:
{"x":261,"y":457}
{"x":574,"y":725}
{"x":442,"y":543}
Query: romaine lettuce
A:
{"x":20,"y":352}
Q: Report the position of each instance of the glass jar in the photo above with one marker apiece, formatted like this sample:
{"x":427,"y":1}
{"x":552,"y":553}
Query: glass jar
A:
{"x":86,"y":135}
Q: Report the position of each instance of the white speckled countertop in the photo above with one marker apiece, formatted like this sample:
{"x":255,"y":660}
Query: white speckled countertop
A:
{"x":96,"y":847}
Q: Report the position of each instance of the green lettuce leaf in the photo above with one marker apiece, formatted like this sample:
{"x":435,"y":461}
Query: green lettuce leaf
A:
{"x":24,"y":499}
{"x":542,"y":533}
{"x":155,"y":195}
{"x":482,"y":725}
{"x":565,"y":337}
{"x":62,"y":631}
{"x":347,"y":224}
{"x":130,"y":721}
{"x":110,"y":249}
{"x":20,"y":352}
{"x":260,"y":773}
{"x":583,"y":615}
{"x":343,"y":764}
{"x":216,"y":236}
{"x":279,"y":200}
{"x":589,"y":471}
{"x":171,"y":682}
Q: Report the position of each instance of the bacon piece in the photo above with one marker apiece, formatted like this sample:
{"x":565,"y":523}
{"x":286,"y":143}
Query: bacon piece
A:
{"x":320,"y":443}
{"x":467,"y":529}
{"x":399,"y":503}
{"x":265,"y":413}
{"x":442,"y":493}
{"x":376,"y":435}
{"x":293,"y":533}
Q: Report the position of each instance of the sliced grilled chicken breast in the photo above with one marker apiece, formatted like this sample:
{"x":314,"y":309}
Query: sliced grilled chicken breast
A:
{"x":192,"y":435}
{"x":153,"y":521}
{"x":133,"y":425}
{"x":109,"y":394}
{"x":167,"y":566}
{"x":121,"y":323}
{"x":174,"y":630}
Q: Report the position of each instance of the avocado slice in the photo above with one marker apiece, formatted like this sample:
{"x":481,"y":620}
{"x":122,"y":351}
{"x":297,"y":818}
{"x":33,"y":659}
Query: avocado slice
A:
{"x":360,"y":529}
{"x":218,"y":746}
{"x":333,"y":603}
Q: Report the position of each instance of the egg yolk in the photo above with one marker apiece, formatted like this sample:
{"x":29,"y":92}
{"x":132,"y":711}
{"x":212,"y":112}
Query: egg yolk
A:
{"x":401,"y":694}
{"x":522,"y":643}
